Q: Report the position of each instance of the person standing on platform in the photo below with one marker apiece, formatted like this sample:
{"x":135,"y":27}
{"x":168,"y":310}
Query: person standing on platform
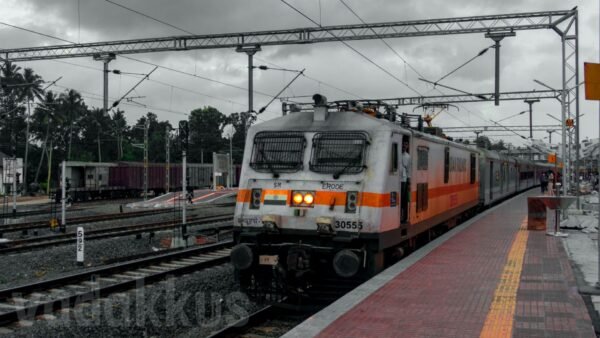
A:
{"x":405,"y":180}
{"x":544,"y":182}
{"x":551,"y":181}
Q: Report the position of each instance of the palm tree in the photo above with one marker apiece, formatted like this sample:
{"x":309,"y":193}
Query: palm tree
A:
{"x":120,"y":128}
{"x":47,"y":115}
{"x":11,"y":78}
{"x":31,"y":89}
{"x":73,"y":106}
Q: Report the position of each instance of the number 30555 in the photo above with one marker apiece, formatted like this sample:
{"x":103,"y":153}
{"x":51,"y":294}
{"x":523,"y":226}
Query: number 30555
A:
{"x":348,"y":224}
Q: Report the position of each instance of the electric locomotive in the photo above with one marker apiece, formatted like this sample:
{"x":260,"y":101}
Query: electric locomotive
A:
{"x":320,"y":195}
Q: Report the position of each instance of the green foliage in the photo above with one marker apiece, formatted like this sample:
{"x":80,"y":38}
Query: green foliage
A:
{"x":63,"y":125}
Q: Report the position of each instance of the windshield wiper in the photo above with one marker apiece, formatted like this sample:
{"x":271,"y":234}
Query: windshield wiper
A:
{"x":268,"y":163}
{"x":350,"y":163}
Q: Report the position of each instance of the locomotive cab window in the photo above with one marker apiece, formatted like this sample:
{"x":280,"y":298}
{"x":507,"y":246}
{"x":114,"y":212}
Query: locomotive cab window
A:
{"x":446,"y":165}
{"x":339,"y":153}
{"x":394,"y":158}
{"x":473,"y":168}
{"x":276,"y":152}
{"x":422,"y":158}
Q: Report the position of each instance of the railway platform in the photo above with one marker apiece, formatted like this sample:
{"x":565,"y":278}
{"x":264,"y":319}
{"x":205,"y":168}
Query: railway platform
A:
{"x":201,"y":196}
{"x":489,"y":277}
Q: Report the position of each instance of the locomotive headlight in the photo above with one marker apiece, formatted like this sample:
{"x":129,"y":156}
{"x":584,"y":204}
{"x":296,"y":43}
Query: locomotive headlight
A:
{"x":303,"y":198}
{"x":298,"y":198}
{"x":309,"y":198}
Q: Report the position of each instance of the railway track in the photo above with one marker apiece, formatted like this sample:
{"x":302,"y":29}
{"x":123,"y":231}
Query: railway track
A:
{"x":269,"y":321}
{"x":45,"y":297}
{"x":32,"y":243}
{"x":92,"y":219}
{"x":79,"y":220}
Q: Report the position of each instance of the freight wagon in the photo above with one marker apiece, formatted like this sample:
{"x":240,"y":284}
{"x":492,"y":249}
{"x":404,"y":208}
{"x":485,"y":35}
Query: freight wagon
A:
{"x":107,"y":180}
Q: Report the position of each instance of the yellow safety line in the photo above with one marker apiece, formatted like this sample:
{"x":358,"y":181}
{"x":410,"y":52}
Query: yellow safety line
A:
{"x":499,"y":320}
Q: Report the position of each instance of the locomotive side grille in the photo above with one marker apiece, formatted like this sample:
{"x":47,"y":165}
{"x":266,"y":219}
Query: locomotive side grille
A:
{"x":278,"y":151}
{"x":338,"y":152}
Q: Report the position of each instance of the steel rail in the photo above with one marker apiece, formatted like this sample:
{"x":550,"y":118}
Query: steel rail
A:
{"x":69,"y":238}
{"x":181,"y":262}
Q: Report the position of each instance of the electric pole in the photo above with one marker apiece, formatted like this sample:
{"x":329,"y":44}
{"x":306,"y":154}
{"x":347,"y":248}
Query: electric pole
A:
{"x":497,"y":37}
{"x":106,"y":59}
{"x":250,"y":51}
{"x":530,"y":102}
{"x":167,"y":159}
{"x":146,"y":127}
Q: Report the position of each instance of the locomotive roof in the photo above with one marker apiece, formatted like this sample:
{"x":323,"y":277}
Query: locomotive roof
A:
{"x":343,"y":120}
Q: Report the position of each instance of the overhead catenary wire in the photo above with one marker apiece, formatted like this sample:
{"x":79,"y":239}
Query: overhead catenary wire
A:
{"x":382,"y":39}
{"x":353,"y":49}
{"x":406,"y":63}
{"x":142,"y":61}
{"x":192,"y":33}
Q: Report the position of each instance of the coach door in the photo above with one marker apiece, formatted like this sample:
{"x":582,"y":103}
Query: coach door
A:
{"x":422,"y":179}
{"x":491,"y":180}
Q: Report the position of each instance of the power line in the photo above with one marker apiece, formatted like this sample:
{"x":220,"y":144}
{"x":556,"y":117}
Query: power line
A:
{"x":382,"y":40}
{"x":149,"y":17}
{"x":100,"y":97}
{"x":145,"y":62}
{"x":191,"y":33}
{"x":352,"y":48}
{"x":156,"y":81}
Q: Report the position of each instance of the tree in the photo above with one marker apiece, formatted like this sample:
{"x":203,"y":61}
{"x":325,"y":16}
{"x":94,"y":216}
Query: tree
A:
{"x":47,"y":117}
{"x":11,"y":79}
{"x":206,"y":133}
{"x":498,"y":145}
{"x":31,"y":89}
{"x":120,"y":129}
{"x":236,"y":120}
{"x":73,"y":109}
{"x":483,"y":142}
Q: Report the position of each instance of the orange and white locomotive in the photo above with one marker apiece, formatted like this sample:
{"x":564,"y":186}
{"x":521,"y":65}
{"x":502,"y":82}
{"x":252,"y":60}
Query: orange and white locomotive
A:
{"x":321,"y":194}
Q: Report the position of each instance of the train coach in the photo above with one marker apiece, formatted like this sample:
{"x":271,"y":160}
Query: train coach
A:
{"x":322,"y":194}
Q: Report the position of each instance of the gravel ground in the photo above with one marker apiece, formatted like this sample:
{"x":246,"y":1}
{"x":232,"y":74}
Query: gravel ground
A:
{"x":26,"y":267}
{"x":192,"y":305}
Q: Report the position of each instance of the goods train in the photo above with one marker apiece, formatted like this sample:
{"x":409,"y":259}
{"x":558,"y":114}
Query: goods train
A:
{"x":105,"y":180}
{"x":320,"y":194}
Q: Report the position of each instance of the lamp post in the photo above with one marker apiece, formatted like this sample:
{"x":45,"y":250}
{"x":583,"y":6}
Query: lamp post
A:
{"x":550,"y":131}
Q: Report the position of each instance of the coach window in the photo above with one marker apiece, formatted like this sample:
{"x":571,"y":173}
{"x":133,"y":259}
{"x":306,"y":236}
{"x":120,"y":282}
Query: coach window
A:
{"x":394,"y":157}
{"x":473,"y":169}
{"x":422,"y":158}
{"x":446,"y":164}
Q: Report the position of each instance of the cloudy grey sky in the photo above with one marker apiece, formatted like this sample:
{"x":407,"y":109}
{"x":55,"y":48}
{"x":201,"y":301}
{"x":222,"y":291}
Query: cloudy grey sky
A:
{"x":332,"y":69}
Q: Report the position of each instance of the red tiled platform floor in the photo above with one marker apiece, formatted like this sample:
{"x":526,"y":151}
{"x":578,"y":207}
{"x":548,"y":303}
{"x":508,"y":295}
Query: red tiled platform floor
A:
{"x":448,"y":293}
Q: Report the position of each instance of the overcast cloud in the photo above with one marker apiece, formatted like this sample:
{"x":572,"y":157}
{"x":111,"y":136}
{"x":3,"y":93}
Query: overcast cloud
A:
{"x":529,"y":55}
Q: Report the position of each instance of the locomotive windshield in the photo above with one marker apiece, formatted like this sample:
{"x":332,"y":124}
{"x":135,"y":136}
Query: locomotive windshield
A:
{"x":276,"y":151}
{"x":338,"y":153}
